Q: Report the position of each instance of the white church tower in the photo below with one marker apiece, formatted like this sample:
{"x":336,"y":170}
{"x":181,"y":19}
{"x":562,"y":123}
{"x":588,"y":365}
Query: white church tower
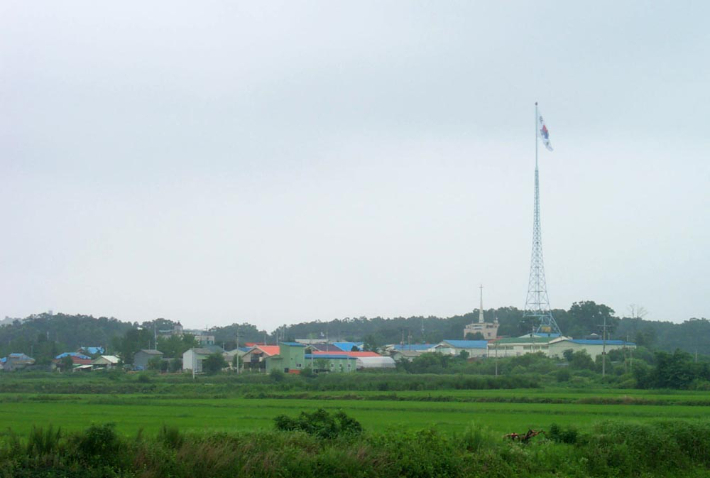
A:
{"x":488,"y":330}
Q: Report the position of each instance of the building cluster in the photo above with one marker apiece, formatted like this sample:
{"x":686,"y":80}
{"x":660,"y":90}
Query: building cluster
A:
{"x":293,"y":357}
{"x":320,"y":355}
{"x":85,"y":358}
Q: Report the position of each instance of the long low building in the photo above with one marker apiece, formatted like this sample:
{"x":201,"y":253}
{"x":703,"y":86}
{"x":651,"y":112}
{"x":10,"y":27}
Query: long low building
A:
{"x":593,"y":347}
{"x":474,"y":348}
{"x":553,"y":346}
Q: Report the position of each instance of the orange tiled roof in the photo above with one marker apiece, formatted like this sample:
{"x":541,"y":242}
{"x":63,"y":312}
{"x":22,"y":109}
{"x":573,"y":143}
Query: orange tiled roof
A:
{"x":269,"y":349}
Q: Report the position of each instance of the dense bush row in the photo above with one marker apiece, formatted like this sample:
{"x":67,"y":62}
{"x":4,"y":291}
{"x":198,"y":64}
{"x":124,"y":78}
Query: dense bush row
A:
{"x":234,"y":385}
{"x":611,"y":449}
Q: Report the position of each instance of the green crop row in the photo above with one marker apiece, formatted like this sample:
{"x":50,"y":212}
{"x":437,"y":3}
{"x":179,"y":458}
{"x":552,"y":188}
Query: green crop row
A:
{"x":150,"y":412}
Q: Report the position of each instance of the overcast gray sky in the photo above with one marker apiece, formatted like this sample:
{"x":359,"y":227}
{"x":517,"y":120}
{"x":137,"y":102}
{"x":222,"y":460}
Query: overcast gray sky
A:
{"x":277,"y":162}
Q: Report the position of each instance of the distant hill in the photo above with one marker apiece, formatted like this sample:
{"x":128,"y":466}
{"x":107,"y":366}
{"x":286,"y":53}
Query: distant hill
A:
{"x":46,"y":333}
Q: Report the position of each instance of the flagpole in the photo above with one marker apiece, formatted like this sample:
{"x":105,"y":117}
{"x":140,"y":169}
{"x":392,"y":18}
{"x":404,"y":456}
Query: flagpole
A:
{"x":537,"y":194}
{"x":536,"y":136}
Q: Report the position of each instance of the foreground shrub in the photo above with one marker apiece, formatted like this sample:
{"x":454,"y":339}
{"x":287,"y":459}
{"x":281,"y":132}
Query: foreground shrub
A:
{"x":612,"y":449}
{"x":99,"y":445}
{"x":320,"y":423}
{"x":560,"y":435}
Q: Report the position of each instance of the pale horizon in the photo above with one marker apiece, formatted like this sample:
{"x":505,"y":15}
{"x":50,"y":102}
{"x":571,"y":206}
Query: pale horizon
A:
{"x":275,"y":164}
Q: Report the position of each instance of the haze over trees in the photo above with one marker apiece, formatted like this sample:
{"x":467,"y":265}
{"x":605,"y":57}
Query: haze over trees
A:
{"x":46,"y":335}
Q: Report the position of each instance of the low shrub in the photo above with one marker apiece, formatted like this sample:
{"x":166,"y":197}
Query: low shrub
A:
{"x":320,"y":423}
{"x":669,"y":448}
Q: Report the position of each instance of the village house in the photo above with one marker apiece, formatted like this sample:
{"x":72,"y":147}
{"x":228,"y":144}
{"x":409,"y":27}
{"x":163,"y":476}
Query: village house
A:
{"x":142,"y":357}
{"x":236,"y":357}
{"x":255,"y":359}
{"x":290,"y":358}
{"x":16,"y":361}
{"x":105,"y":362}
{"x":192,"y":359}
{"x":408,"y":351}
{"x":79,"y":360}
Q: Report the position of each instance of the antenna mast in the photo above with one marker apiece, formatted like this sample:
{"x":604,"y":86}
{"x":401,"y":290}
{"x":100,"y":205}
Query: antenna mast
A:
{"x":537,"y":303}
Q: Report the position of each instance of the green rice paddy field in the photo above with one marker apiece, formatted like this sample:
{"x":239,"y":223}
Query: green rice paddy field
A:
{"x":501,"y":411}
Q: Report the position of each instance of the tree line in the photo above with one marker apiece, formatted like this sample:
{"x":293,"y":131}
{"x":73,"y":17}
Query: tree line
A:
{"x":44,"y":336}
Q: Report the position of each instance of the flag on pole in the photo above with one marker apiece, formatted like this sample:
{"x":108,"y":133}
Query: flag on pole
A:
{"x":542,"y":132}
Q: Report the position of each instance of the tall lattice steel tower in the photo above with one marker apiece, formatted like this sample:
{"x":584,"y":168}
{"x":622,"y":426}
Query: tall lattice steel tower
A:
{"x":537,"y":303}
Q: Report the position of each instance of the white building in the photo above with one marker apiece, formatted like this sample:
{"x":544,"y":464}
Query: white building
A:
{"x":193,"y":359}
{"x":488,"y":330}
{"x":593,"y":347}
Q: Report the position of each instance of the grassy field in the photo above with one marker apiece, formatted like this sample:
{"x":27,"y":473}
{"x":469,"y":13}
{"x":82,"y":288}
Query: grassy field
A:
{"x":170,"y":425}
{"x":501,"y":411}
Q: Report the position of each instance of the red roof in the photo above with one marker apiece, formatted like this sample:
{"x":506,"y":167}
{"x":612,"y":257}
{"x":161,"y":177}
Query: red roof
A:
{"x":268,"y":349}
{"x":349,"y":354}
{"x":80,"y":361}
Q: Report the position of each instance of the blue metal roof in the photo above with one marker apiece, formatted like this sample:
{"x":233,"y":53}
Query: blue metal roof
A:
{"x":600,"y":342}
{"x":293,"y":344}
{"x":329,"y":356}
{"x":348,"y":346}
{"x":415,"y":347}
{"x":93,"y":350}
{"x":72,"y":354}
{"x":468,"y":344}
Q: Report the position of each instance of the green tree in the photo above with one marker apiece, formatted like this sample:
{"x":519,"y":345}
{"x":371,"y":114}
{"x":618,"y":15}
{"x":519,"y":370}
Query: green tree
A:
{"x":587,"y":316}
{"x":676,"y":371}
{"x":370,"y":343}
{"x":155,"y":363}
{"x":131,"y":342}
{"x":66,"y":363}
{"x":174,"y":346}
{"x":581,"y":360}
{"x":175,"y":365}
{"x":277,"y":375}
{"x":214,"y":363}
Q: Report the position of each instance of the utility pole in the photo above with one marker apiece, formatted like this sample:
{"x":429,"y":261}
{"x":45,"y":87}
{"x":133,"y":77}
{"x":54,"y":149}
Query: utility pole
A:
{"x":496,"y":359}
{"x":604,"y":348}
{"x":193,"y":363}
{"x":237,"y":354}
{"x":626,"y":364}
